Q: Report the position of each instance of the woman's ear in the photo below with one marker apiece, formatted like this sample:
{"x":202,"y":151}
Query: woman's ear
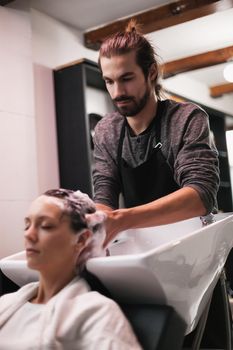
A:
{"x":83,"y":239}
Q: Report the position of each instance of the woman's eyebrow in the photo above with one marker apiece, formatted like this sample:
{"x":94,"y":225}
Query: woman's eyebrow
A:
{"x":41,"y":217}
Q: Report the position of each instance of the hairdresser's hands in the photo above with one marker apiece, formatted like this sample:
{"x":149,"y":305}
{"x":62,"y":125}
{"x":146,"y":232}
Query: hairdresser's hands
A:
{"x":114,"y":223}
{"x":111,"y":228}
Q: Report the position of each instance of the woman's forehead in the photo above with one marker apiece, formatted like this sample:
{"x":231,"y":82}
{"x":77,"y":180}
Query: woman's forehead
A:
{"x":47,"y":206}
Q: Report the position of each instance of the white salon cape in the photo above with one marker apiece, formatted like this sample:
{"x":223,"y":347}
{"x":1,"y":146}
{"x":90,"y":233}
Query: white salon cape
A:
{"x":75,"y":318}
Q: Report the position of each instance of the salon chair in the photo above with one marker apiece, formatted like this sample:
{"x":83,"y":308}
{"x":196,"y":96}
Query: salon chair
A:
{"x":157,"y":327}
{"x":160,"y":327}
{"x":6,"y":285}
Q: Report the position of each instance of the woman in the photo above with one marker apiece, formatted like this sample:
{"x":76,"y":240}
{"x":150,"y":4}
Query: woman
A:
{"x":62,"y":230}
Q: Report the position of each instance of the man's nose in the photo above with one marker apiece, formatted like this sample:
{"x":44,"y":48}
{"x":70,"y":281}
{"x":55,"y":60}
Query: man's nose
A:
{"x":118,"y":90}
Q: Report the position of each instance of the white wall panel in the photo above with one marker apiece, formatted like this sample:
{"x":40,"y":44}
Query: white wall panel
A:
{"x":48,"y":173}
{"x":12,"y":225}
{"x":18,"y":155}
{"x":56,"y":44}
{"x":16,"y":83}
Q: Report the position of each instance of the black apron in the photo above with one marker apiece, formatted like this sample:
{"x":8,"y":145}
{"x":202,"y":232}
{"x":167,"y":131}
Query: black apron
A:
{"x":150,"y":180}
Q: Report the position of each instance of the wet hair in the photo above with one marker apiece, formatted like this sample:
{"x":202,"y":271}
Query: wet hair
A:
{"x":77,"y":205}
{"x":129,"y":40}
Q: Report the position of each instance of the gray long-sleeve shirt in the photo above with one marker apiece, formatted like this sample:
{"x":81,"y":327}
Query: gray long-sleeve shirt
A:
{"x":186,"y":144}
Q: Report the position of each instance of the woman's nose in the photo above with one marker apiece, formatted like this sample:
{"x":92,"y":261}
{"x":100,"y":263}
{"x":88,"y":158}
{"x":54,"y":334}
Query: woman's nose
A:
{"x":31,"y":233}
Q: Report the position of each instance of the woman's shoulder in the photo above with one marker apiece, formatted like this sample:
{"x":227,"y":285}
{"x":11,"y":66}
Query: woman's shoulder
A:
{"x":10,"y":302}
{"x":95,"y":298}
{"x":99,"y":308}
{"x":94,"y":316}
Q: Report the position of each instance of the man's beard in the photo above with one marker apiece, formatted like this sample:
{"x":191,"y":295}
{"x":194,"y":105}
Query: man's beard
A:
{"x":134,"y":107}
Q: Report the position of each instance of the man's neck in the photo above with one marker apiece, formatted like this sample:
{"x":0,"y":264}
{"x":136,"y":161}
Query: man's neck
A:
{"x":142,"y":120}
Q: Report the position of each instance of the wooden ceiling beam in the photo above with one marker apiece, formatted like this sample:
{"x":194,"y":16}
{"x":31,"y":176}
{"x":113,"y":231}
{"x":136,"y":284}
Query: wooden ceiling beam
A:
{"x":202,"y":60}
{"x":158,"y":18}
{"x":219,"y":90}
{"x":5,"y":2}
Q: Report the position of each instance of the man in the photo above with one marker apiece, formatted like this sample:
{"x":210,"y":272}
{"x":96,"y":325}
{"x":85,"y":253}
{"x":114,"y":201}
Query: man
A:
{"x":158,"y":154}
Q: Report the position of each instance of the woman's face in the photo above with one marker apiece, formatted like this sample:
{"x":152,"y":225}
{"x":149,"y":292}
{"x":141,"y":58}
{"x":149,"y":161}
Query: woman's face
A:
{"x":50,"y":242}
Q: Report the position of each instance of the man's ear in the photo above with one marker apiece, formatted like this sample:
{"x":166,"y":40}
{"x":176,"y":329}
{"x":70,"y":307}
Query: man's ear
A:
{"x":83,"y":239}
{"x":153,"y":72}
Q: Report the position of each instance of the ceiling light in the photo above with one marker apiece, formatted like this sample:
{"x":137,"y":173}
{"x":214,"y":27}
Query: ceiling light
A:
{"x":228,"y":72}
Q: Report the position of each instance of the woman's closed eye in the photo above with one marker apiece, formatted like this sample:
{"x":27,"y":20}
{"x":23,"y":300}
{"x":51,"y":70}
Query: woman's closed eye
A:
{"x":47,"y":226}
{"x":44,"y":226}
{"x":26,"y":224}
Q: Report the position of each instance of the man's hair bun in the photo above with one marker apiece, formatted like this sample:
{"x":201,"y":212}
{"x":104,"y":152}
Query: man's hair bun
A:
{"x":133,"y":26}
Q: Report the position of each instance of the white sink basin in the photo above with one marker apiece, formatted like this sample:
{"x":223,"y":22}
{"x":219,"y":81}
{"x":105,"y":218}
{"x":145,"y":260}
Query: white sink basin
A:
{"x":15,"y":268}
{"x":177,"y":264}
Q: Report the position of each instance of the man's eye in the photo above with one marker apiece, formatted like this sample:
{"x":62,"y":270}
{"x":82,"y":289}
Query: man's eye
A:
{"x":127,"y":78}
{"x":108,"y":82}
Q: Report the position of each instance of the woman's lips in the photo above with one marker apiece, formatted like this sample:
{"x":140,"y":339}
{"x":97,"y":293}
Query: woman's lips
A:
{"x":31,"y":251}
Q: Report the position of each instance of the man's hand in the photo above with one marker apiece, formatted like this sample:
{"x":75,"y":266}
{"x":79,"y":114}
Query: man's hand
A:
{"x":111,"y":223}
{"x":182,"y":204}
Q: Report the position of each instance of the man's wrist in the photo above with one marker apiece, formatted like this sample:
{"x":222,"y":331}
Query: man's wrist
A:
{"x":121,"y":217}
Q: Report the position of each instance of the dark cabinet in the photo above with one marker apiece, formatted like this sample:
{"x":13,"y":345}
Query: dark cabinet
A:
{"x":73,"y":126}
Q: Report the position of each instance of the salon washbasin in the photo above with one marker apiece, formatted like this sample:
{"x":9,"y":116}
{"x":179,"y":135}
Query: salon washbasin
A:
{"x":15,"y":268}
{"x":176,"y":264}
